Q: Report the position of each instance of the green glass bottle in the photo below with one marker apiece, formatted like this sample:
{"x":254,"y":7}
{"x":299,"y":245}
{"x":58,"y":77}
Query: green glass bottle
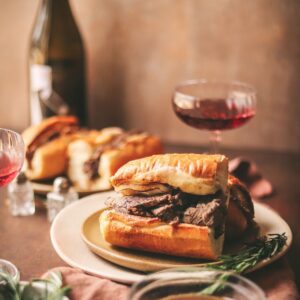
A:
{"x":56,"y":63}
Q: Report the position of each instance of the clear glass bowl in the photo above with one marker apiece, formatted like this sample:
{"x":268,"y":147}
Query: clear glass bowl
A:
{"x":10,"y":269}
{"x":195,"y":284}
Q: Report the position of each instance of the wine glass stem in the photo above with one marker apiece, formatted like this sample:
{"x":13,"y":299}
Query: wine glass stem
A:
{"x":215,"y":140}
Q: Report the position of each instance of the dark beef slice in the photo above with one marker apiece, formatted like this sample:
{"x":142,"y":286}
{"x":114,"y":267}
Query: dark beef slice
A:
{"x":206,"y":214}
{"x":166,"y":213}
{"x":151,"y":201}
{"x":163,"y":206}
{"x":90,"y":167}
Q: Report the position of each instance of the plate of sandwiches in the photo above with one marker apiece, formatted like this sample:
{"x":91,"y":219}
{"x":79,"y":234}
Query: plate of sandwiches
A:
{"x":59,"y":147}
{"x":169,"y":210}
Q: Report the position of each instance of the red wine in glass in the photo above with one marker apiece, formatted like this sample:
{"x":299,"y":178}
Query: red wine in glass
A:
{"x":11,"y":160}
{"x":214,"y":106}
{"x":8,"y":169}
{"x":11,"y":155}
{"x":214,"y":114}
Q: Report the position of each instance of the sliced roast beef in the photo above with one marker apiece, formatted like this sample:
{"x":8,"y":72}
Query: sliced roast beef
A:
{"x":164,"y":206}
{"x":175,"y":207}
{"x":209,"y":214}
{"x":91,"y":166}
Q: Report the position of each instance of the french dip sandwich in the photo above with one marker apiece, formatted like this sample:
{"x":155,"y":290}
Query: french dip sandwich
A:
{"x":93,"y":160}
{"x":46,"y":146}
{"x":173,"y":203}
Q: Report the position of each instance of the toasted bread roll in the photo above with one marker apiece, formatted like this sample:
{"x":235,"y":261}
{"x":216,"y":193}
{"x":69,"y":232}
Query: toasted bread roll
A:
{"x":93,"y":161}
{"x":192,"y":173}
{"x":49,"y":160}
{"x":46,"y":145}
{"x":39,"y":134}
{"x":150,"y":234}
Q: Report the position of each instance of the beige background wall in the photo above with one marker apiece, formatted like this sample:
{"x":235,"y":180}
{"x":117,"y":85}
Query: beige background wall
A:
{"x":137,"y":50}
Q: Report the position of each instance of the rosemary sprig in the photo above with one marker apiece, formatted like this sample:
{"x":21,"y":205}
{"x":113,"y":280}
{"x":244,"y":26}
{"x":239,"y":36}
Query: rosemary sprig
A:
{"x":246,"y":259}
{"x":252,"y":254}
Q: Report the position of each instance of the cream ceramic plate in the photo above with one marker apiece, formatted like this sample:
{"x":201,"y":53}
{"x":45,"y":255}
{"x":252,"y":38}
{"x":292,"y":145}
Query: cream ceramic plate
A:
{"x":134,"y":259}
{"x":42,"y":188}
{"x":69,"y":245}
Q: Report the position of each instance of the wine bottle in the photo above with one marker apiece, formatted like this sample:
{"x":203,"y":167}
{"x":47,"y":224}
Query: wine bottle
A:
{"x":56,"y":63}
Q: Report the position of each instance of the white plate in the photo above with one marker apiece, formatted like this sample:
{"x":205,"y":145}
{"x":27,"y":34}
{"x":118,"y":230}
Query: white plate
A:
{"x":67,"y":242}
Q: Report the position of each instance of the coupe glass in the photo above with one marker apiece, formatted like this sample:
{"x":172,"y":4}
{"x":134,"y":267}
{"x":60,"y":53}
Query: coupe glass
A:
{"x":195,"y":284}
{"x":11,"y":155}
{"x":214,"y":106}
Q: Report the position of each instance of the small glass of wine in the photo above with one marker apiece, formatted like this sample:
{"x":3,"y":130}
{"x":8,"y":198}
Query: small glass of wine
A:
{"x":11,"y":155}
{"x":12,"y":152}
{"x":214,"y":106}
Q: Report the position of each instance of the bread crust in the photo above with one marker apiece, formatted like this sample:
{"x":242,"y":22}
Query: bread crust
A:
{"x":32,"y":133}
{"x":137,"y":146}
{"x":150,"y":234}
{"x":46,"y":152}
{"x":49,"y":160}
{"x":198,"y":174}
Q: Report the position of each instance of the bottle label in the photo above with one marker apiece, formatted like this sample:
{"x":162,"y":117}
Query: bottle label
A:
{"x":41,"y":77}
{"x":44,"y":101}
{"x":40,"y":82}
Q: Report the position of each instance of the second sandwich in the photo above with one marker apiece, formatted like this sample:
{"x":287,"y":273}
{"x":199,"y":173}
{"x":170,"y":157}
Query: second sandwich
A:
{"x":174,"y":204}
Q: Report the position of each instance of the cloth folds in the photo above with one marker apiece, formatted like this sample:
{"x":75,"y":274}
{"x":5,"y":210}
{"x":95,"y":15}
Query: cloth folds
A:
{"x":248,"y":173}
{"x":277,"y":281}
{"x":87,"y":287}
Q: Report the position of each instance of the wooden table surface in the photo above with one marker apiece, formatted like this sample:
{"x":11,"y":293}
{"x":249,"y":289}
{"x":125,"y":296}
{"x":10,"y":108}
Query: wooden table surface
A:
{"x":25,"y":240}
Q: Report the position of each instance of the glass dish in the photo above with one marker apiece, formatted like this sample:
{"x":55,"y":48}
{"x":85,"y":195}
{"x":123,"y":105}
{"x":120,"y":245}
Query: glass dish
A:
{"x":10,"y":269}
{"x":195,"y":284}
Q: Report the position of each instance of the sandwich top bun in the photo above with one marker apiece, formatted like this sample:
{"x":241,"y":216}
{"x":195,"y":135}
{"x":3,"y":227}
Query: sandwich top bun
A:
{"x":37,"y":134}
{"x":198,"y":174}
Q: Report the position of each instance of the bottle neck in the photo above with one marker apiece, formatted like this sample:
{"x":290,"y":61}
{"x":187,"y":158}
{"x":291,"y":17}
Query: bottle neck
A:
{"x":59,"y":7}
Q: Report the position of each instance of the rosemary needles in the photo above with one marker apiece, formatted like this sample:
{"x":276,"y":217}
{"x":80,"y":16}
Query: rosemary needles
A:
{"x":252,"y":254}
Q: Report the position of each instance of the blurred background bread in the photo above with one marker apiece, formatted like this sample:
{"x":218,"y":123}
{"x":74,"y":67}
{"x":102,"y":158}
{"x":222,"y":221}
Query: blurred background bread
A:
{"x":91,"y":162}
{"x":46,"y":146}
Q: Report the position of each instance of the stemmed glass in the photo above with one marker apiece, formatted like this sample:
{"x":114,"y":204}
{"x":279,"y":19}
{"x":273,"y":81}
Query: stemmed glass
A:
{"x":11,"y":160}
{"x":11,"y":155}
{"x":214,"y":105}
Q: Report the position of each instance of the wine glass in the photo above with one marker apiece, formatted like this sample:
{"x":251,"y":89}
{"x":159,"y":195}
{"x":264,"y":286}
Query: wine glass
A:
{"x":11,"y":155}
{"x":214,"y":105}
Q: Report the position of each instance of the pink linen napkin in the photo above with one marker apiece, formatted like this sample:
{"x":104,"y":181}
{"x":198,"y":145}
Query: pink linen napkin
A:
{"x":277,"y":280}
{"x":248,"y":173}
{"x":87,"y":287}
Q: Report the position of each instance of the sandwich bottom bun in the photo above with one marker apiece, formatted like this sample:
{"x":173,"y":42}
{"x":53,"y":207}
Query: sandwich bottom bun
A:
{"x":152,"y":235}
